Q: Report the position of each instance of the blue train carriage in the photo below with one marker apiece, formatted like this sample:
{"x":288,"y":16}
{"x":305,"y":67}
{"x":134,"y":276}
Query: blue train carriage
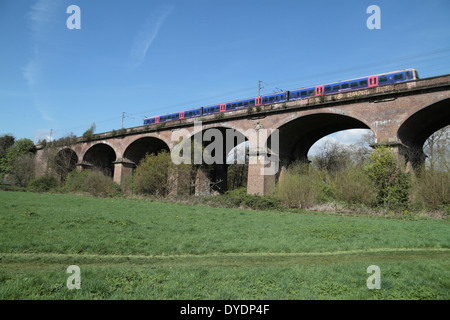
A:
{"x":330,"y":88}
{"x":173,"y":116}
{"x":252,"y":102}
{"x":230,"y":106}
{"x":355,"y":84}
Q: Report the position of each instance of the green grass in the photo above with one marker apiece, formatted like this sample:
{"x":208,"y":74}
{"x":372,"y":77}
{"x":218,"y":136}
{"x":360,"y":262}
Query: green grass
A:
{"x":139,"y":249}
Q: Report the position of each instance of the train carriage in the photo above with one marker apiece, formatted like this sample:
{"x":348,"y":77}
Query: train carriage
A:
{"x":302,"y":93}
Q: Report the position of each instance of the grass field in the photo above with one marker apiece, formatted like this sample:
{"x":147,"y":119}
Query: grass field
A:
{"x":139,"y":249}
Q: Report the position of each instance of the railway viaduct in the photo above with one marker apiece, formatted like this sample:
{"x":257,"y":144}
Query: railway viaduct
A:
{"x":401,"y":116}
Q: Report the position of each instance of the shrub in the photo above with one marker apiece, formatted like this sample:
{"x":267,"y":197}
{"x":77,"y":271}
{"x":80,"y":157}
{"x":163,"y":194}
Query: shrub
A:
{"x":239,"y":198}
{"x":88,"y":135}
{"x":297,"y":188}
{"x":151,"y":175}
{"x":432,"y":188}
{"x":93,"y":183}
{"x":43,"y":184}
{"x":391,"y":181}
{"x":353,"y":186}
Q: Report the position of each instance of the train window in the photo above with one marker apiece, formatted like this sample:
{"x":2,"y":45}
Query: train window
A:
{"x":311,"y":92}
{"x":265,"y":100}
{"x":245,"y":103}
{"x":271,"y":98}
{"x":363,"y":83}
{"x":382,"y":79}
{"x":335,"y":88}
{"x":240,"y":104}
{"x":408,"y":75}
{"x":234,"y":105}
{"x":353,"y":84}
{"x":304,"y":93}
{"x":327,"y":89}
{"x":345,"y":86}
{"x":398,"y":76}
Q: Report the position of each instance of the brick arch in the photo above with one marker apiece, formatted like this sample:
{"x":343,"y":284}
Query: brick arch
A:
{"x":137,"y":149}
{"x":100,"y":157}
{"x":227,"y":132}
{"x":299,"y":134}
{"x":419,"y":126}
{"x":212,"y":177}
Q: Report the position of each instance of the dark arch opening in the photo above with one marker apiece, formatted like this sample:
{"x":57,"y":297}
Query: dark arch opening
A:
{"x":224,"y":160}
{"x":298,"y":136}
{"x":137,"y":150}
{"x":100,"y":157}
{"x":420,"y":126}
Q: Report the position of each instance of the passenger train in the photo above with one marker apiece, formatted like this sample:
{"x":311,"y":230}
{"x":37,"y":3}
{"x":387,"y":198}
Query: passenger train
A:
{"x":330,"y":88}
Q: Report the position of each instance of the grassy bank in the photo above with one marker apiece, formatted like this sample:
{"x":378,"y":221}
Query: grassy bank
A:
{"x":140,"y":249}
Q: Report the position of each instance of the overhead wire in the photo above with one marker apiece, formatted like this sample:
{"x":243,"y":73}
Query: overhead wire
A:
{"x":321,"y":77}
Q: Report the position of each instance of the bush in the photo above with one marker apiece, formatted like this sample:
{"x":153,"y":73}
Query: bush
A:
{"x":239,"y":198}
{"x":353,"y":186}
{"x":88,"y":135}
{"x":298,"y":188}
{"x":432,"y":188}
{"x":43,"y":184}
{"x":93,"y":183}
{"x":391,"y":181}
{"x":151,"y":175}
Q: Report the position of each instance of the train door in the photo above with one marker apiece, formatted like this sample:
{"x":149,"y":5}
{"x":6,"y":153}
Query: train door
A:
{"x":223,"y":107}
{"x":157,"y":120}
{"x":373,"y":81}
{"x":258,"y":101}
{"x":319,"y":90}
{"x":182,"y":115}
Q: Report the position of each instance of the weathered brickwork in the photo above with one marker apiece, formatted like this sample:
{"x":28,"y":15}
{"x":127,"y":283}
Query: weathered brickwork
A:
{"x":401,"y":115}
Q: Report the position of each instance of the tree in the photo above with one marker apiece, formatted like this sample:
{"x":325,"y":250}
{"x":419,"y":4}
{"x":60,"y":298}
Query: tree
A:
{"x":60,"y":157}
{"x":391,"y":181}
{"x":437,"y":149}
{"x":151,"y":175}
{"x":22,"y":169}
{"x":332,"y":157}
{"x":20,"y":148}
{"x":88,"y":135}
{"x":6,"y":141}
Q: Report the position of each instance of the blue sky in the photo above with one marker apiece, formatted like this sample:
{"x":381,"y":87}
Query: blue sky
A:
{"x":146,"y":57}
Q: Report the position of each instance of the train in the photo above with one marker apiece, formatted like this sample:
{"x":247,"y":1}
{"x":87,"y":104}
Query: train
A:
{"x":306,"y":92}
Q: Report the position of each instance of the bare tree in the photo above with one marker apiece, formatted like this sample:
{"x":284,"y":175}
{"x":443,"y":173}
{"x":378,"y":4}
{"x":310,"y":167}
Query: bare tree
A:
{"x":22,"y":169}
{"x":437,"y":149}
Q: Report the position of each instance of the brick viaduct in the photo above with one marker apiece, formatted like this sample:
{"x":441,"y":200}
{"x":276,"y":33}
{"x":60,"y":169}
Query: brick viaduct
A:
{"x":401,"y":116}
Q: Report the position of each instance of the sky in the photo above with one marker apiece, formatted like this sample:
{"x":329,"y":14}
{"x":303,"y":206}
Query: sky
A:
{"x":142,"y":58}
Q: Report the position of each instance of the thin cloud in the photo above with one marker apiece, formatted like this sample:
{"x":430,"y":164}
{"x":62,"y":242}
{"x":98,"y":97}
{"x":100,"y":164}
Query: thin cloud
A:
{"x":148,"y":32}
{"x":41,"y":15}
{"x":31,"y":72}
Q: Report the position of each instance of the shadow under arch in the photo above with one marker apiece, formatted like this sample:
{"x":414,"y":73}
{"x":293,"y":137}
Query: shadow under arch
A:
{"x":415,"y":130}
{"x":297,"y":136}
{"x":100,"y":157}
{"x":218,"y":153}
{"x":138,"y":149}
